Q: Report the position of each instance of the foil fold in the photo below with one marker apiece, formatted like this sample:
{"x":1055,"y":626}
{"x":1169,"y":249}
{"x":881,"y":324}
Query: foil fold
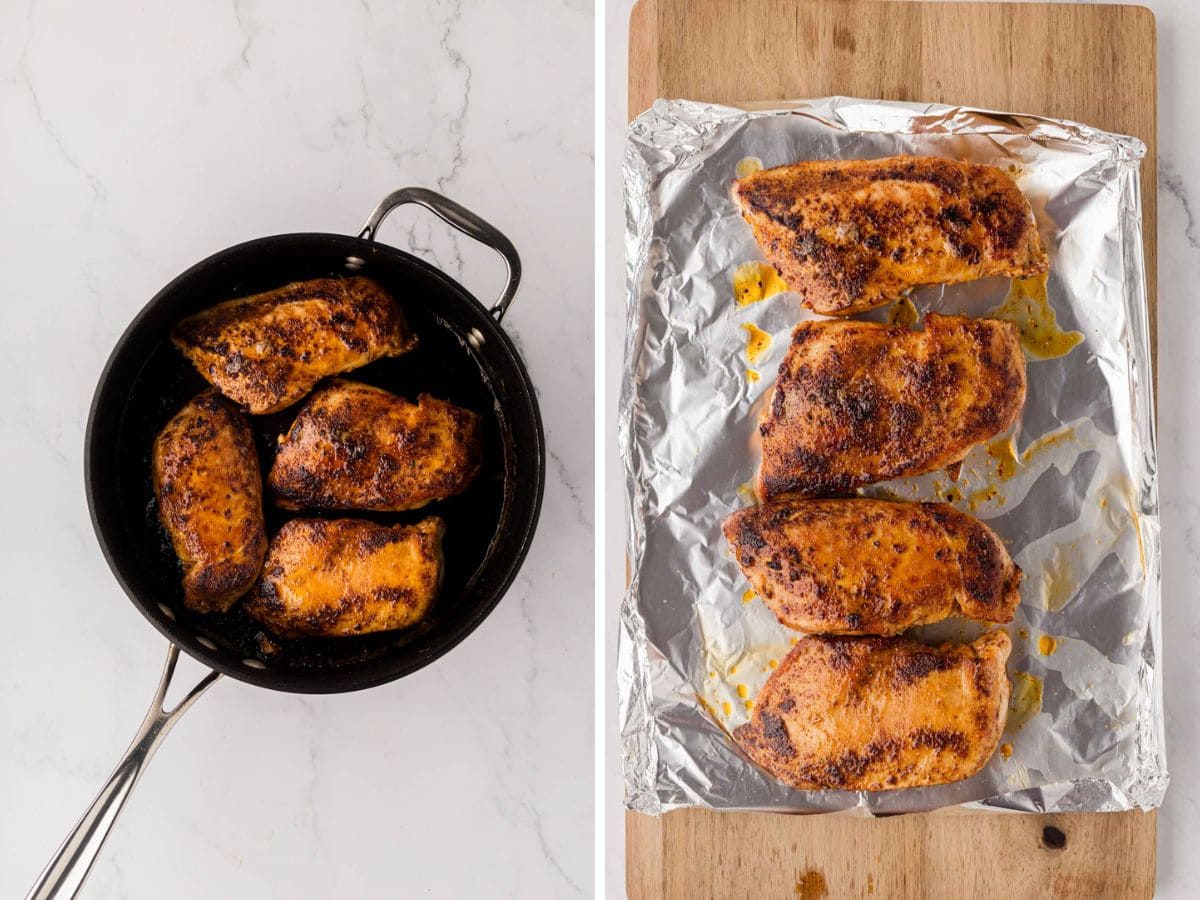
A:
{"x":1078,"y":510}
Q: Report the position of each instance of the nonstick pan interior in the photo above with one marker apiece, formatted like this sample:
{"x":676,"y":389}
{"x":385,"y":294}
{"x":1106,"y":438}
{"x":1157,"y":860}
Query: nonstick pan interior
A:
{"x":463,"y":356}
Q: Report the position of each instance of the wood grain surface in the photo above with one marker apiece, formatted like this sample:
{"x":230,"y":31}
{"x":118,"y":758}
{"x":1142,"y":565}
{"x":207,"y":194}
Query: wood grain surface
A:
{"x":1090,"y":63}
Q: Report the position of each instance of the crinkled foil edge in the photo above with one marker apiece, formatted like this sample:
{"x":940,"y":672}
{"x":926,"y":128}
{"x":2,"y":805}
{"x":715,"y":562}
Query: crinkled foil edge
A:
{"x":687,"y":128}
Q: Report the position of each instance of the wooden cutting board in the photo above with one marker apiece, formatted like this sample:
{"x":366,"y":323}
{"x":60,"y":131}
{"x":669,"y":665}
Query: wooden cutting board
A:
{"x":1090,"y":63}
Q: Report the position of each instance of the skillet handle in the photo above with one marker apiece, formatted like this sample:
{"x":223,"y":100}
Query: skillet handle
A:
{"x":465,"y":221}
{"x":65,"y":873}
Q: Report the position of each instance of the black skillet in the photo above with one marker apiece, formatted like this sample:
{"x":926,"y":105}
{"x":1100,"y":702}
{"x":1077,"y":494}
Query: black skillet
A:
{"x":463,"y":355}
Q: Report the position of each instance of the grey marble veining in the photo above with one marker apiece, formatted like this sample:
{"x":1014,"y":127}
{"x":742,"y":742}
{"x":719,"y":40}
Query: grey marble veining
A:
{"x":139,"y":138}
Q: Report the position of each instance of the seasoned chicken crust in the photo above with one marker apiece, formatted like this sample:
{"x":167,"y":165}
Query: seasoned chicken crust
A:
{"x":850,"y":235}
{"x":860,"y":402}
{"x":865,"y":566}
{"x":267,"y":351}
{"x":337,"y":577}
{"x":209,"y":493}
{"x":878,"y":713}
{"x":354,"y":446}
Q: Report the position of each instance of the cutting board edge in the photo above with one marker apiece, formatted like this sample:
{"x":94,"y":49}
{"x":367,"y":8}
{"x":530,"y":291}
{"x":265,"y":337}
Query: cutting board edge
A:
{"x":643,"y":875}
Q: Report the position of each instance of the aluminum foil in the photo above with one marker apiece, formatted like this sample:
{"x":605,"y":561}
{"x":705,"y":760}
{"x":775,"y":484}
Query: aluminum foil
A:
{"x":1077,"y":503}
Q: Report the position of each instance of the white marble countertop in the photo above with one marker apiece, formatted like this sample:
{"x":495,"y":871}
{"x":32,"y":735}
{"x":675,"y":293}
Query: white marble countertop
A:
{"x":138,"y":138}
{"x":1178,"y":24}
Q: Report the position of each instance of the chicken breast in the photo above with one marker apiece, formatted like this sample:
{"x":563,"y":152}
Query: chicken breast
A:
{"x":872,"y":566}
{"x":850,"y":235}
{"x":209,"y":493}
{"x":267,"y":351}
{"x":354,"y":446}
{"x":336,"y":577}
{"x":860,"y":402}
{"x":877,"y":713}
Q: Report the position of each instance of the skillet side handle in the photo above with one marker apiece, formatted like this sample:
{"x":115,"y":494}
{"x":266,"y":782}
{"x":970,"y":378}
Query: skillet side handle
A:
{"x":464,"y":220}
{"x":65,"y":873}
